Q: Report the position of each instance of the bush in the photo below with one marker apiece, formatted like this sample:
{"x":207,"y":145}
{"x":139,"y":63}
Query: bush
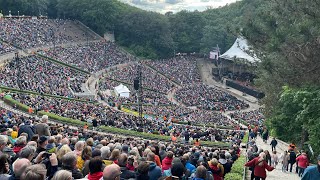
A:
{"x":8,"y":99}
{"x":237,"y":169}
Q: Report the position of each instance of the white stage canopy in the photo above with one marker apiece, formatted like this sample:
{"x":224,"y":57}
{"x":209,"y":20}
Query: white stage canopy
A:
{"x":122,"y":91}
{"x":239,"y":50}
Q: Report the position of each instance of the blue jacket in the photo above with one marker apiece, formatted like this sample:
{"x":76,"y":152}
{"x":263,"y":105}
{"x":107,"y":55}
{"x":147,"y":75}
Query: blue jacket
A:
{"x":190,"y":167}
{"x":154,"y":171}
{"x":311,"y":173}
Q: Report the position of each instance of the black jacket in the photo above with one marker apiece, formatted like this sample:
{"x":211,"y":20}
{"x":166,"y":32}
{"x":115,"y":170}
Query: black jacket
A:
{"x":126,"y":174}
{"x":27,"y":129}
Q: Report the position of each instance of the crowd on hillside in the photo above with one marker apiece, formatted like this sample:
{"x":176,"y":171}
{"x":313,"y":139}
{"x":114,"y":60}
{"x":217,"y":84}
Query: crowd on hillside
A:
{"x":209,"y":98}
{"x":181,"y":69}
{"x":91,"y":57}
{"x":150,"y":79}
{"x":36,"y":74}
{"x":5,"y":48}
{"x":86,"y":112}
{"x":30,"y":33}
{"x":32,"y":149}
{"x":254,"y":117}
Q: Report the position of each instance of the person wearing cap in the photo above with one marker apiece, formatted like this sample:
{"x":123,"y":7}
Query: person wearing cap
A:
{"x":43,"y":129}
{"x":312,"y":172}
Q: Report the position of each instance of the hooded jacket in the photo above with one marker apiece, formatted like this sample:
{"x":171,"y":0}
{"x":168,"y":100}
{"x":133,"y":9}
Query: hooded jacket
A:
{"x":166,"y":163}
{"x":259,"y":170}
{"x":154,"y":171}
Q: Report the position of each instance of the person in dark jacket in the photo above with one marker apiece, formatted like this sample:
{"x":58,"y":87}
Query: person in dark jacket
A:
{"x":154,"y":170}
{"x":27,"y":128}
{"x":292,"y":159}
{"x":69,"y":163}
{"x":125,"y":172}
{"x":143,"y":171}
{"x":273,"y":144}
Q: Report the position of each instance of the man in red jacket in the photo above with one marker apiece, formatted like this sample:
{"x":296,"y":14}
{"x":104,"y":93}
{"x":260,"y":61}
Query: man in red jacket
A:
{"x":260,"y":166}
{"x":303,"y":163}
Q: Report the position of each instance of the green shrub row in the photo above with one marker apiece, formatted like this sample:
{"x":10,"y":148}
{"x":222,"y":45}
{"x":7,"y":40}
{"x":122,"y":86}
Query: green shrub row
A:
{"x":207,"y":125}
{"x":8,"y":99}
{"x":237,"y":169}
{"x":39,"y":94}
{"x":62,"y":63}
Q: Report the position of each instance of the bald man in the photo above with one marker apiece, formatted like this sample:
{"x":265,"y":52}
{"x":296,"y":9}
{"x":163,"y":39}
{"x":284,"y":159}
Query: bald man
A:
{"x":111,"y":172}
{"x":19,"y":167}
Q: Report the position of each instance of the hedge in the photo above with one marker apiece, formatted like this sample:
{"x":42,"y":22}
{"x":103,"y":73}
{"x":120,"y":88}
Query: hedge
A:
{"x":8,"y":99}
{"x":62,"y":63}
{"x":237,"y":169}
{"x":125,"y":132}
{"x":207,"y":125}
{"x":45,"y":95}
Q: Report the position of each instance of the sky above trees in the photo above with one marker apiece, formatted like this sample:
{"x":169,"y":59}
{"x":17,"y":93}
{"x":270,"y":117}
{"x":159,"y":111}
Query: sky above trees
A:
{"x":163,"y":6}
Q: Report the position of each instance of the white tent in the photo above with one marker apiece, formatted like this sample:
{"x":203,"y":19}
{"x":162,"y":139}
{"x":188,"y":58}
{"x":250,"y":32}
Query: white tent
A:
{"x":122,"y":91}
{"x":239,"y":50}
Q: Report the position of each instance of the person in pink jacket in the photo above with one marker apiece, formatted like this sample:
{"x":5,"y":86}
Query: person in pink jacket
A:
{"x":303,"y":163}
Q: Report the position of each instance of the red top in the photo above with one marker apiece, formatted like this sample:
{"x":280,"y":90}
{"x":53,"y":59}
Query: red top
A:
{"x":303,"y":161}
{"x":259,"y":171}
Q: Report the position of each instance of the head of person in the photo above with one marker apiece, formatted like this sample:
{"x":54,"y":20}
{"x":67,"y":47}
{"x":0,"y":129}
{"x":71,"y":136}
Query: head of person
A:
{"x":69,"y":160}
{"x":20,"y":166}
{"x":95,"y":165}
{"x":105,"y":152}
{"x":143,"y":168}
{"x":178,"y":169}
{"x":62,"y":175}
{"x":43,"y":141}
{"x":62,"y":151}
{"x":21,"y":141}
{"x":170,"y":154}
{"x":115,"y":154}
{"x":201,"y":172}
{"x":112,"y":172}
{"x":123,"y":160}
{"x":86,"y":153}
{"x":35,"y":172}
{"x":27,"y":152}
{"x":262,"y":157}
{"x":4,"y":161}
{"x":44,"y":118}
{"x":3,"y":142}
{"x":79,"y":146}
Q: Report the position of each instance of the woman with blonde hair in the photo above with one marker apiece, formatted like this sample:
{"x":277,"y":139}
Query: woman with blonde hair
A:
{"x":62,"y":175}
{"x":62,"y":151}
{"x":260,"y":166}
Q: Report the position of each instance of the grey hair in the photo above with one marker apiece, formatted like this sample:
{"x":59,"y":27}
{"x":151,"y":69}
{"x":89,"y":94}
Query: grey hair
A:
{"x":69,"y":159}
{"x":62,"y":175}
{"x":3,"y":140}
{"x":105,"y":152}
{"x":21,"y":140}
{"x":27,"y":151}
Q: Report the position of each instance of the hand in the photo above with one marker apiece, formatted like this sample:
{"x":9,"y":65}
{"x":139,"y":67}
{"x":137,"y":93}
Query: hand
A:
{"x":53,"y":159}
{"x":39,"y":157}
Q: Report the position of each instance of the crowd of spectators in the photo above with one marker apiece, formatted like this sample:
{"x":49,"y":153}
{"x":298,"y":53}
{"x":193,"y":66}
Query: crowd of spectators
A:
{"x":254,"y":117}
{"x":30,"y":33}
{"x":91,"y":57}
{"x":209,"y":98}
{"x":150,"y":79}
{"x":36,"y":74}
{"x":181,"y":69}
{"x":5,"y":48}
{"x":33,"y":149}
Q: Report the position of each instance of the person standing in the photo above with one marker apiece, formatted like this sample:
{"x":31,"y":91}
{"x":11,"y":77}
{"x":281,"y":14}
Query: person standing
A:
{"x":260,"y":166}
{"x":312,"y":172}
{"x":285,"y":161}
{"x":302,"y":162}
{"x":273,"y":144}
{"x":292,"y":159}
{"x":43,"y":128}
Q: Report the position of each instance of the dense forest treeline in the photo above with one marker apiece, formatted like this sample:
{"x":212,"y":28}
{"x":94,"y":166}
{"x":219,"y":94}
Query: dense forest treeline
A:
{"x":284,"y":34}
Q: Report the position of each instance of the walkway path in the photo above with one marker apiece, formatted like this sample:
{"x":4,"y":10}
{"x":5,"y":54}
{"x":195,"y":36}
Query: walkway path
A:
{"x":277,"y":174}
